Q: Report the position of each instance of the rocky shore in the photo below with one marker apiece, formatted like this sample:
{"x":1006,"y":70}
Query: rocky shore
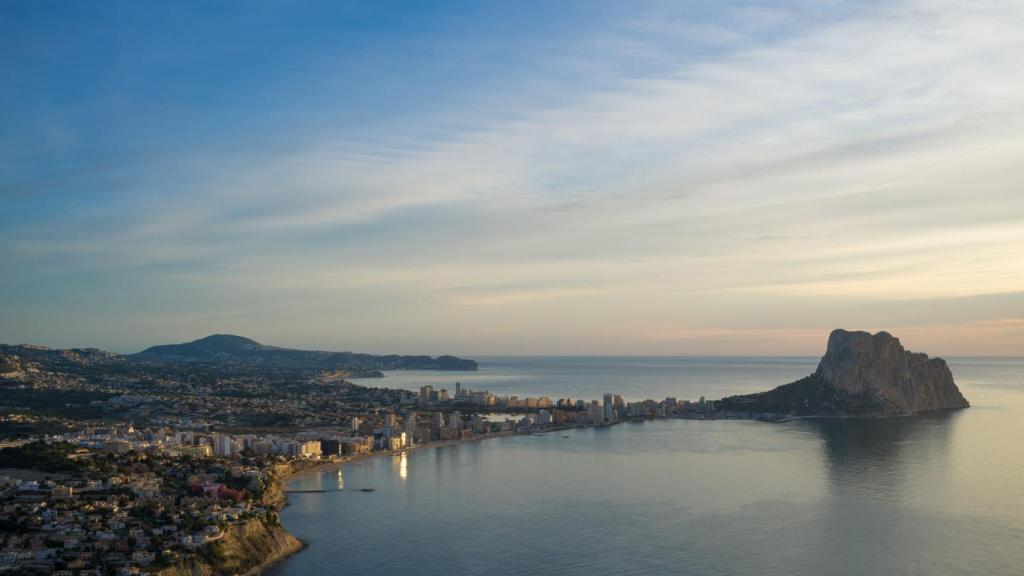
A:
{"x":249,"y":547}
{"x":246,"y":548}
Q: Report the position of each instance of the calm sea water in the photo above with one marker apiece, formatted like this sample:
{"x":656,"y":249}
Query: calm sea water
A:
{"x":935,"y":494}
{"x":635,"y":378}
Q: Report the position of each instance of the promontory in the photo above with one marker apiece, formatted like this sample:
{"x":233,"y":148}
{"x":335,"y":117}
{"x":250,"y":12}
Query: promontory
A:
{"x":861,"y":374}
{"x":224,"y":349}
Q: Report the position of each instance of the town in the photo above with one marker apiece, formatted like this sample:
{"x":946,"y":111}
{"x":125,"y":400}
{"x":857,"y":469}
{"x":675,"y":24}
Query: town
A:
{"x":114,"y":467}
{"x":113,"y":498}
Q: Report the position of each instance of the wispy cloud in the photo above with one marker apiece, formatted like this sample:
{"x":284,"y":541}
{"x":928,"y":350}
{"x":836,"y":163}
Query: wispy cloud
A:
{"x":653,"y":166}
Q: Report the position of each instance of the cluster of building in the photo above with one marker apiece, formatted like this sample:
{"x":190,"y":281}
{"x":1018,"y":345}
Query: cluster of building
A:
{"x":386,"y":431}
{"x":481,"y":398}
{"x":612,"y":408}
{"x":149,"y":511}
{"x":178,"y":482}
{"x":403,"y":427}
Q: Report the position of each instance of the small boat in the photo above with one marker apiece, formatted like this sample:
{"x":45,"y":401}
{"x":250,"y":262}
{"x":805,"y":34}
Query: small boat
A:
{"x":564,"y":436}
{"x":366,"y":489}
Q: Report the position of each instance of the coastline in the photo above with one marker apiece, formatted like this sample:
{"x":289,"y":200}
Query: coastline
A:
{"x":310,"y":470}
{"x":299,"y":470}
{"x":275,"y":558}
{"x":305,"y":470}
{"x":282,"y":481}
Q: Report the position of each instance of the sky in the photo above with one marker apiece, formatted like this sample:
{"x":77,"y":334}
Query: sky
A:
{"x":489,"y":178}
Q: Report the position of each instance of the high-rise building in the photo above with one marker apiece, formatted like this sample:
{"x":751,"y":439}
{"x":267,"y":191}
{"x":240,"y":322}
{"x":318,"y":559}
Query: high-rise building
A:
{"x":397,"y":442}
{"x":309,"y":449}
{"x":223,"y":445}
{"x":426,"y":392}
{"x":543,"y":417}
{"x":329,"y":447}
{"x":410,"y":427}
{"x":479,"y":423}
{"x":618,"y":404}
{"x":609,"y":407}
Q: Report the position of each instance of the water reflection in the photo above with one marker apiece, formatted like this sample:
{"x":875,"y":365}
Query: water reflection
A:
{"x":883,"y":475}
{"x":341,"y":480}
{"x":401,"y":463}
{"x":885,"y":456}
{"x":933,"y":494}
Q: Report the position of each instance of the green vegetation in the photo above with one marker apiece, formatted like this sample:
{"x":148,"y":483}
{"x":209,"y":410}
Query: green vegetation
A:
{"x":75,"y":404}
{"x":33,"y":426}
{"x":41,"y":456}
{"x":807,"y":396}
{"x":55,"y":458}
{"x":268,"y":420}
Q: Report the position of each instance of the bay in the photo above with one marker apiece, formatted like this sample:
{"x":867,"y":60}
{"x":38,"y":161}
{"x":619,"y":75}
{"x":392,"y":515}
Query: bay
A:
{"x":932,"y":494}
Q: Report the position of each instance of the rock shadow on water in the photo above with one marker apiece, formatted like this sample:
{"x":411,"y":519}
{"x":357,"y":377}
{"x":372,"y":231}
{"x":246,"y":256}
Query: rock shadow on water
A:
{"x":879,"y":472}
{"x":879,"y":453}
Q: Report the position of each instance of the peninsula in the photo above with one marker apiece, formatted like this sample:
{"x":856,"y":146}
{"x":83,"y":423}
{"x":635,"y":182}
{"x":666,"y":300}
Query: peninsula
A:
{"x":228,"y":349}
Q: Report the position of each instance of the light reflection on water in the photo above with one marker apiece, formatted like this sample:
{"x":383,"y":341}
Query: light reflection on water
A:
{"x":402,"y":464}
{"x":933,"y":494}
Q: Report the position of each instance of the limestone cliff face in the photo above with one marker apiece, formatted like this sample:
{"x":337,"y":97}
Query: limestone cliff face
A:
{"x":257,"y":544}
{"x":245,"y":549}
{"x":859,"y":362}
{"x":861,"y":374}
{"x":273,"y":495}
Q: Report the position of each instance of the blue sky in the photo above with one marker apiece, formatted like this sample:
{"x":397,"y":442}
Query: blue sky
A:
{"x":513,"y":177}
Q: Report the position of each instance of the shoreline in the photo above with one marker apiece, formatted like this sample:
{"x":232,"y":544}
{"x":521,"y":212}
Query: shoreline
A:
{"x":316,"y":468}
{"x":332,"y":465}
{"x":270,"y":562}
{"x":313,"y":469}
{"x":335,"y":464}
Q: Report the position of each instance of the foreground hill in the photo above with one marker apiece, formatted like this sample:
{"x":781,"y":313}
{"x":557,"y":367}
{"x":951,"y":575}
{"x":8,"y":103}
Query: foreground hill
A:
{"x":861,"y":374}
{"x":225,"y":348}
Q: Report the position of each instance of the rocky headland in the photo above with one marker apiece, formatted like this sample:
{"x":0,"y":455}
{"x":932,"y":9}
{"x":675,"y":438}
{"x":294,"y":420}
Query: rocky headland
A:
{"x":861,"y":374}
{"x":248,"y":547}
{"x":245,"y":548}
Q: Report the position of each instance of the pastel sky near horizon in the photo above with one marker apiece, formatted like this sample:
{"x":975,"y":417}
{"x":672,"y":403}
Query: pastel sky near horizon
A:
{"x":513,"y":177}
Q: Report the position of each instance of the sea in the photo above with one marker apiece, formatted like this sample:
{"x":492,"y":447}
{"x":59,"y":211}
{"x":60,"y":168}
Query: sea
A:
{"x":934,"y":494}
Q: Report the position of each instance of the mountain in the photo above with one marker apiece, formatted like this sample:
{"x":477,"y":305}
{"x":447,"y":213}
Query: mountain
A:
{"x":226,"y":348}
{"x":209,"y":347}
{"x":861,"y":374}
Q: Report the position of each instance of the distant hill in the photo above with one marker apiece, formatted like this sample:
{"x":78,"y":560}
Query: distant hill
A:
{"x":18,"y":358}
{"x":227,"y":348}
{"x":861,"y":374}
{"x":209,"y":347}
